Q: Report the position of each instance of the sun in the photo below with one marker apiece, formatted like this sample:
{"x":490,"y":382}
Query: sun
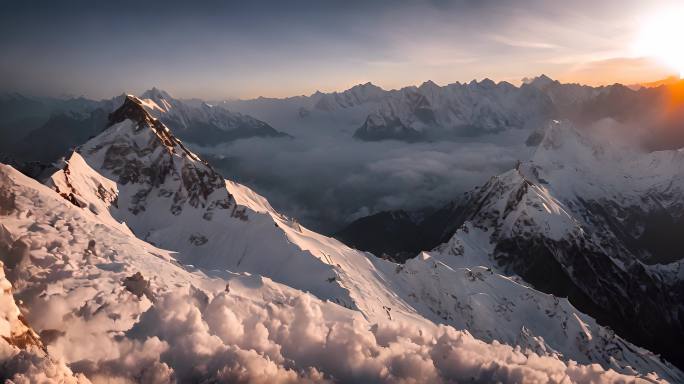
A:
{"x":662,"y":37}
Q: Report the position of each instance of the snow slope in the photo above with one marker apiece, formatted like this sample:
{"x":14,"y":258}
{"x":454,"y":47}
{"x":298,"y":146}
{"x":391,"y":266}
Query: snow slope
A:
{"x":23,"y":357}
{"x":117,"y":308}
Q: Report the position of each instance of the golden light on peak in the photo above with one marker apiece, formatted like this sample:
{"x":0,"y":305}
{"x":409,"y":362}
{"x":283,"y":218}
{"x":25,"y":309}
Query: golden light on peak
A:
{"x":662,"y":37}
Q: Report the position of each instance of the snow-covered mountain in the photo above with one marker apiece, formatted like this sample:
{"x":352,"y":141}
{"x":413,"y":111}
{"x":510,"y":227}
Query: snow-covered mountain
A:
{"x":589,"y":221}
{"x":41,"y":128}
{"x":177,"y":273}
{"x":585,"y":218}
{"x":434,"y":112}
{"x":476,"y":108}
{"x":201,"y":123}
{"x":44,"y":129}
{"x":114,"y":307}
{"x":355,"y":96}
{"x":411,"y":113}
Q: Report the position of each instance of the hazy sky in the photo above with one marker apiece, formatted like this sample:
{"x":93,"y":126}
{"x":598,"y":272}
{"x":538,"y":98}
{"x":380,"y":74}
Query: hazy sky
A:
{"x":225,"y":49}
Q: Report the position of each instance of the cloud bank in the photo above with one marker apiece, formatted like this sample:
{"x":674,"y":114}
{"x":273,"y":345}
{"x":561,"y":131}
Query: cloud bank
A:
{"x":327,"y":181}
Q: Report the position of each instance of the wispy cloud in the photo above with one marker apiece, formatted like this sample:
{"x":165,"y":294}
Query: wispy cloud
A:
{"x":220,"y":49}
{"x":522,"y":43}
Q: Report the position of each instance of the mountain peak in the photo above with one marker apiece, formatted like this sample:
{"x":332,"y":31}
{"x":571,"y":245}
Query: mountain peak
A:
{"x":539,"y":81}
{"x":156,"y":94}
{"x":485,"y":83}
{"x":366,"y":87}
{"x":429,"y":84}
{"x":562,"y":143}
{"x":140,"y":151}
{"x":367,"y":84}
{"x":133,"y":109}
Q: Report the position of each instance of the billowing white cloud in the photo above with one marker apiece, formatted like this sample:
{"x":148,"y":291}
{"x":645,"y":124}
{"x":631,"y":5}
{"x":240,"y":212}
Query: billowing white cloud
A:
{"x":235,"y":339}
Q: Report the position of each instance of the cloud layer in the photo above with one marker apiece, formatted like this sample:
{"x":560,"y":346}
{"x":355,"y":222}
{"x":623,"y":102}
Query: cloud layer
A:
{"x":329,"y":180}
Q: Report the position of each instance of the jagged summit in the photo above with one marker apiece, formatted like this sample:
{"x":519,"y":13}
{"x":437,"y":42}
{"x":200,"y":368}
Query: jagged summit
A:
{"x":429,"y":84}
{"x":366,"y":86}
{"x":137,"y":172}
{"x":484,"y":83}
{"x":487,"y":82}
{"x":139,"y":151}
{"x":540,"y":81}
{"x":134,"y":110}
{"x":365,"y":92}
{"x":155,"y":94}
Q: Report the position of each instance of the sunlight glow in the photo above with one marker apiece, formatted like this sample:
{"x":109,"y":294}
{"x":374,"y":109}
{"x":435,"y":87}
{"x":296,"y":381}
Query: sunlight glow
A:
{"x":662,"y":37}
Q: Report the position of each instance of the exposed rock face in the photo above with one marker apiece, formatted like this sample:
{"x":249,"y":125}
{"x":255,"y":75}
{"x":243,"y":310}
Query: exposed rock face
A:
{"x":13,"y":327}
{"x":151,"y":158}
{"x":7,"y":204}
{"x":198,"y":239}
{"x":137,"y":285}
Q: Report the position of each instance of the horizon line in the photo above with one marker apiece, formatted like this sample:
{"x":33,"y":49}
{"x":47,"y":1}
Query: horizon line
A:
{"x":518,"y":84}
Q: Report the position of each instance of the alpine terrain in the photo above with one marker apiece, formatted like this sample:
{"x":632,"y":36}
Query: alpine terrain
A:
{"x":585,"y":218}
{"x":136,"y":261}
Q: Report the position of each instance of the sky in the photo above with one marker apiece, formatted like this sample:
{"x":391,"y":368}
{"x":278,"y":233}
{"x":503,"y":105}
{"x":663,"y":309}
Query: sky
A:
{"x":245,"y":49}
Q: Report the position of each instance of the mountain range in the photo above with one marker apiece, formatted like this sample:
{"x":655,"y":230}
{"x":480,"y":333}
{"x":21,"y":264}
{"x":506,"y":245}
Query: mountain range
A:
{"x":431,"y":112}
{"x":425,"y":112}
{"x":496,"y":121}
{"x":136,"y":260}
{"x":43,"y":129}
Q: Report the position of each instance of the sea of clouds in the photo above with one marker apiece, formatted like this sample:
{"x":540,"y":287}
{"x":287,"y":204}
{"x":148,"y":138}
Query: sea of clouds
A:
{"x":327,"y":180}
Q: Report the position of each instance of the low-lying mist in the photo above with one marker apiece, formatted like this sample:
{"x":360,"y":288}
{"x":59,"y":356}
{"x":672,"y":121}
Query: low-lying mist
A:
{"x":326,"y":181}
